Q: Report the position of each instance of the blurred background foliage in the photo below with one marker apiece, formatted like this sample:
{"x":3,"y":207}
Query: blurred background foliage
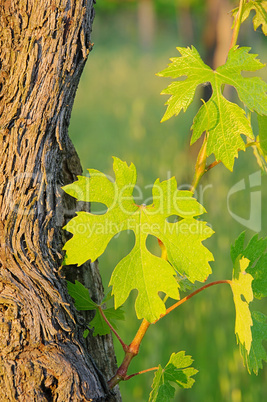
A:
{"x":117,"y":112}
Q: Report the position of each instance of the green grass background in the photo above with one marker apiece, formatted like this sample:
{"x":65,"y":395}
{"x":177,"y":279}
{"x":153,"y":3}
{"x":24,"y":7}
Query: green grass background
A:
{"x":117,"y":112}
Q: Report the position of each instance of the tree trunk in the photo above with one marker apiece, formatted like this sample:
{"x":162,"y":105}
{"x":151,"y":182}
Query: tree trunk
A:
{"x":217,"y":36}
{"x":44,"y":45}
{"x":146,"y":23}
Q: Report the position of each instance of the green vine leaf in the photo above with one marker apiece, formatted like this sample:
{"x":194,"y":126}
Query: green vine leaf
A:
{"x":260,"y":18}
{"x":86,"y":333}
{"x":260,"y":150}
{"x":99,"y":324}
{"x":140,"y":269}
{"x":107,"y":297}
{"x":255,"y":253}
{"x":83,"y":301}
{"x":185,"y":284}
{"x":253,"y":359}
{"x":243,"y":295}
{"x":178,"y":371}
{"x":262,"y":122}
{"x":224,"y":121}
{"x":81,"y":296}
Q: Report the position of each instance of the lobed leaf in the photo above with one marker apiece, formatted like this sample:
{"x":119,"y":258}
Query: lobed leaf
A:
{"x":255,"y":253}
{"x":83,"y":301}
{"x":81,"y":296}
{"x":243,"y":295}
{"x":222,"y":120}
{"x":260,"y":150}
{"x":182,"y":93}
{"x":99,"y":324}
{"x":140,"y":269}
{"x":260,"y":17}
{"x":262,"y":122}
{"x":178,"y":371}
{"x":253,"y":359}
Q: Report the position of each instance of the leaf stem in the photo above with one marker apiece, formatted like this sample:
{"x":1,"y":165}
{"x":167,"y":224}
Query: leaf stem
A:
{"x":130,"y":352}
{"x":134,"y":346}
{"x":191,"y":295}
{"x":212,"y":165}
{"x":124,"y":346}
{"x":200,"y":167}
{"x":252,"y":143}
{"x":237,"y":24}
{"x":141,"y":372}
{"x":215,"y":163}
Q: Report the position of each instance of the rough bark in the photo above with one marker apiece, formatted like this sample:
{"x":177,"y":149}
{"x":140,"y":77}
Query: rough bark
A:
{"x":43,"y":48}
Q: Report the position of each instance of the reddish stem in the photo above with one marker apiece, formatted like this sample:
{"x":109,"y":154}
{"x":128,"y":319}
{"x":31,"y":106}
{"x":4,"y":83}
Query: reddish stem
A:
{"x":125,"y":347}
{"x":140,"y":372}
{"x":131,"y":351}
{"x":212,"y":165}
{"x":200,"y":164}
{"x":191,"y":295}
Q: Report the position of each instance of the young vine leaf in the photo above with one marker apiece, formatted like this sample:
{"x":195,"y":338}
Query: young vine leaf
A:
{"x":140,"y":269}
{"x":255,"y":252}
{"x":83,"y":301}
{"x":178,"y":371}
{"x":253,"y":359}
{"x":224,"y":121}
{"x":81,"y":296}
{"x":260,"y":150}
{"x":243,"y":295}
{"x":99,"y":324}
{"x":262,"y":122}
{"x":260,"y":17}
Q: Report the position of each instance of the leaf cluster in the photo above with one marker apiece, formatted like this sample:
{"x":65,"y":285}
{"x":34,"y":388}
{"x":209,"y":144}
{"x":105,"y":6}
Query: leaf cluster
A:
{"x":222,"y":120}
{"x":179,"y":371}
{"x":140,"y":269}
{"x":185,"y":260}
{"x":83,"y":301}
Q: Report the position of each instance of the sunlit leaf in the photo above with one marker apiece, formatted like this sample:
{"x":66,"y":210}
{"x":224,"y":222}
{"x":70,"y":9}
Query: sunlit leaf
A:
{"x":224,"y":121}
{"x":254,"y":254}
{"x":140,"y":269}
{"x":253,"y":359}
{"x":260,"y":17}
{"x":243,"y":295}
{"x":177,"y":371}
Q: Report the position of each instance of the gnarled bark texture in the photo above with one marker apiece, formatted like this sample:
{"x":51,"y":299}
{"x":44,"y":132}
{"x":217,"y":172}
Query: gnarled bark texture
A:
{"x":43,"y":48}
